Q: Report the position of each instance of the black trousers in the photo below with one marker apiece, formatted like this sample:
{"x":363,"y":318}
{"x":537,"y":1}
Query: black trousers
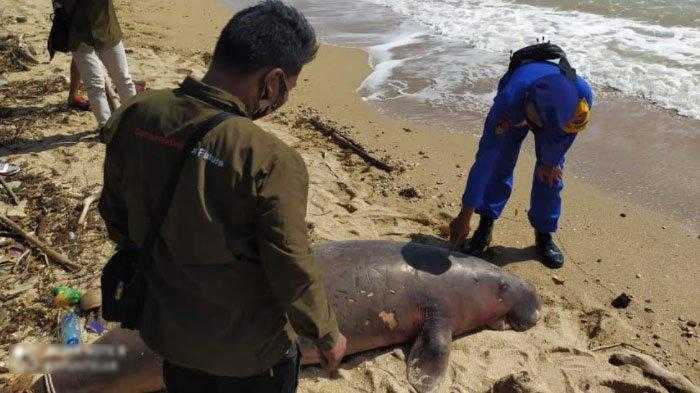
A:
{"x":282,"y":378}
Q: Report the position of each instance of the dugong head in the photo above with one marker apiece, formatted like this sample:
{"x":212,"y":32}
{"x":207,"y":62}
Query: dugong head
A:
{"x":525,"y":305}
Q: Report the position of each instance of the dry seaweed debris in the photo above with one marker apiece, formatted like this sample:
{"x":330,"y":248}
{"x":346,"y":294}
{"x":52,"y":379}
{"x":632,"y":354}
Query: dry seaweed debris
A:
{"x":33,"y":89}
{"x":55,"y":256}
{"x":52,"y":210}
{"x":15,"y":55}
{"x":20,"y":124}
{"x":22,"y":117}
{"x":339,"y":135}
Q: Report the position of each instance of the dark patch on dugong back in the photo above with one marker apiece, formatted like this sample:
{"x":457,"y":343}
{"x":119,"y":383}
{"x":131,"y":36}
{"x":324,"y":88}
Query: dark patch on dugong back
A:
{"x":426,"y":258}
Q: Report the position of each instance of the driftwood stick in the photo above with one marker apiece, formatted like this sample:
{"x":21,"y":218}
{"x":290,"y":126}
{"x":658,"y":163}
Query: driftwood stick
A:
{"x":624,"y":345}
{"x":651,"y":368}
{"x":347,"y":142}
{"x":9,"y":190}
{"x":9,"y":295}
{"x":21,"y":259}
{"x":61,"y":260}
{"x":86,"y":206}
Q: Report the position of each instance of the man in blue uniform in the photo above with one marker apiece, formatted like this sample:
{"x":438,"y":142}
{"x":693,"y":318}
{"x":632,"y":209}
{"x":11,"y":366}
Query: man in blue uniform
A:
{"x":551,"y":100}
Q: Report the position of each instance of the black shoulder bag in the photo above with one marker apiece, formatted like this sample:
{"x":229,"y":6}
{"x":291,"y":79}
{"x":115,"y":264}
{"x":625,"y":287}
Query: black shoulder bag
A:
{"x":60,"y":30}
{"x":123,"y":284}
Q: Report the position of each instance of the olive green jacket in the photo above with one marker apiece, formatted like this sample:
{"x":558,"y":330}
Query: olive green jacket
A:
{"x":93,"y":22}
{"x":234,"y":275}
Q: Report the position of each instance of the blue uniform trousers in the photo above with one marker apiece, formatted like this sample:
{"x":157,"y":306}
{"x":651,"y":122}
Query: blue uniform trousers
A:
{"x":503,"y":149}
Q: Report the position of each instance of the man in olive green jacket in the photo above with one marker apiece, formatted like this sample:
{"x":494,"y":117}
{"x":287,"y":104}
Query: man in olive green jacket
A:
{"x":95,"y":39}
{"x":234,"y":279}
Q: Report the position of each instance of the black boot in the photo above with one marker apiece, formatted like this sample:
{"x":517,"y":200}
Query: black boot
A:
{"x":550,"y":255}
{"x":481,"y":239}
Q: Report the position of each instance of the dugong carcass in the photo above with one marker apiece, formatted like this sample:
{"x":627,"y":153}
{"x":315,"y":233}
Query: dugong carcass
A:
{"x":384,"y":293}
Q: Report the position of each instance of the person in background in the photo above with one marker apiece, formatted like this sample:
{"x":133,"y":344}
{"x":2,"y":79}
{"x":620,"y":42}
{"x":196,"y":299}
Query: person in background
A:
{"x":95,"y":40}
{"x":549,"y":99}
{"x":233,"y":279}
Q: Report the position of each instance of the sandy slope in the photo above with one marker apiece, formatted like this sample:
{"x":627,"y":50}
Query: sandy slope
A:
{"x":608,"y":253}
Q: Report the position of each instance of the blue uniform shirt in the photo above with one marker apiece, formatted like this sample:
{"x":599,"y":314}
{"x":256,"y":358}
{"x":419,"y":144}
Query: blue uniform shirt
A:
{"x":557,"y":97}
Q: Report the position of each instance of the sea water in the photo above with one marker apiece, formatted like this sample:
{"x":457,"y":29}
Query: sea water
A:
{"x":447,"y":53}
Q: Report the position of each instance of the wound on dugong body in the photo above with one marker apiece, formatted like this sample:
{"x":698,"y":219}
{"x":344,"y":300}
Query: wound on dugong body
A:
{"x":389,"y":319}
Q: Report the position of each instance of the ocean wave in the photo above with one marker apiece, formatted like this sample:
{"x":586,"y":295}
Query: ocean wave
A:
{"x":657,"y":63}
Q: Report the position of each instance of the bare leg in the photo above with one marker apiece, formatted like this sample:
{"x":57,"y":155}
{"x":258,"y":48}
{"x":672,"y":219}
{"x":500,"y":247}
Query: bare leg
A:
{"x":74,"y":99}
{"x":74,"y":81}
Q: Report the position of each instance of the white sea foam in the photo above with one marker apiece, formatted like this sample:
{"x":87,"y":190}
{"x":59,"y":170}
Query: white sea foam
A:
{"x":383,"y":64}
{"x":660,"y":64}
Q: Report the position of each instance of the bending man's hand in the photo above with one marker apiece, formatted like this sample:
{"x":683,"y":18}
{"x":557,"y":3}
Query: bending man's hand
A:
{"x":331,"y":358}
{"x":459,"y":227}
{"x":549,"y":175}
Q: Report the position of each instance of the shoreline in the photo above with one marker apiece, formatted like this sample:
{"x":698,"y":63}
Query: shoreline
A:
{"x":640,"y":253}
{"x":655,"y":165}
{"x":652,"y":169}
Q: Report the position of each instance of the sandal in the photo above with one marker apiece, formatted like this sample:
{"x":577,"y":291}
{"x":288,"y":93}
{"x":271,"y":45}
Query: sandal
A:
{"x":140,"y":86}
{"x":7,"y":169}
{"x":80,"y":103}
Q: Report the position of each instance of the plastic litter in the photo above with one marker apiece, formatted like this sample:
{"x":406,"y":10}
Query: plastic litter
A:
{"x":70,"y":328}
{"x":66,"y":296}
{"x":93,"y":325}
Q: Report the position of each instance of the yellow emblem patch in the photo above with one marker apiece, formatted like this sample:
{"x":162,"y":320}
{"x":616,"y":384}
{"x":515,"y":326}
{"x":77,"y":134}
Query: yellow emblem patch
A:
{"x":502,"y":126}
{"x":580,"y":120}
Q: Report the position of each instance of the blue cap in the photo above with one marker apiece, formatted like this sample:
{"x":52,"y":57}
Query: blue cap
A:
{"x":556,"y":99}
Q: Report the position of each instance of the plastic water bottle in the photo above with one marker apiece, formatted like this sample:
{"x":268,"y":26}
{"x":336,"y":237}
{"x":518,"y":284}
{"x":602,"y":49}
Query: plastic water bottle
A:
{"x":70,"y":328}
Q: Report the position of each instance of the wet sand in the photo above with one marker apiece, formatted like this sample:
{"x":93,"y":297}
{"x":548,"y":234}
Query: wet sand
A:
{"x":644,"y":154}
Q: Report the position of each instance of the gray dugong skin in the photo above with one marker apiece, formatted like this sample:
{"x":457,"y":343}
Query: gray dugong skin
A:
{"x":384,"y":293}
{"x":382,"y":290}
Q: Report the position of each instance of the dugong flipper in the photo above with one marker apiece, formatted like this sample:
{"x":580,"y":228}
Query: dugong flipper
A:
{"x":430,"y":354}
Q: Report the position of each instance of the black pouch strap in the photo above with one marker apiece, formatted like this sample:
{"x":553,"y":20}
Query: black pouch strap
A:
{"x":543,"y":51}
{"x":166,"y":196}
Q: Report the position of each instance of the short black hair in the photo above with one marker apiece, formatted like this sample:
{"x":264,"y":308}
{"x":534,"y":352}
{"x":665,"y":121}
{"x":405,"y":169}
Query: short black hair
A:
{"x":269,"y":34}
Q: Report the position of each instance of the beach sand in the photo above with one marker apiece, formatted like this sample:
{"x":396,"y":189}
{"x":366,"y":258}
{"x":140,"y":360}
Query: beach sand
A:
{"x":613,"y":245}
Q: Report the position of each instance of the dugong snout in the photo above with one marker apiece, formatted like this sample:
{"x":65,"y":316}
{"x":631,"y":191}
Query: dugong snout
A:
{"x":525,"y":311}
